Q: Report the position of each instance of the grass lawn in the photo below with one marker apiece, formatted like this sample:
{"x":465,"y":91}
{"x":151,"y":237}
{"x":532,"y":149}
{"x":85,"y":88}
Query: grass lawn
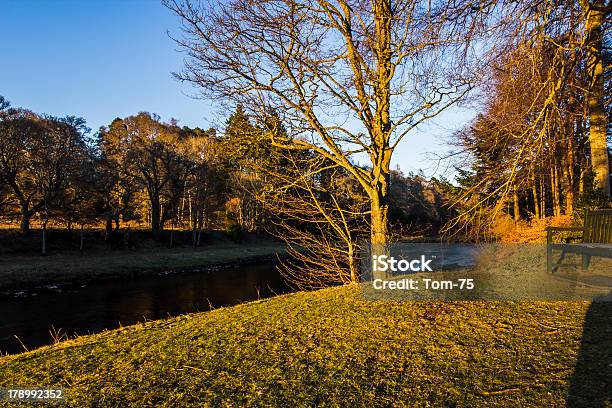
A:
{"x":23,"y":271}
{"x":330,"y":347}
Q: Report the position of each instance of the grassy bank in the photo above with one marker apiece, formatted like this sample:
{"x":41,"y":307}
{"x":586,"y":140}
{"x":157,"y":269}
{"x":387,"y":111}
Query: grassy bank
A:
{"x":331,"y":347}
{"x":26,"y":271}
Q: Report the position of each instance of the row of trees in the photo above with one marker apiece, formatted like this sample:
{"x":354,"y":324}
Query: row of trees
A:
{"x":138,"y":169}
{"x":540,"y":143}
{"x":142,"y":170}
{"x":169,"y":170}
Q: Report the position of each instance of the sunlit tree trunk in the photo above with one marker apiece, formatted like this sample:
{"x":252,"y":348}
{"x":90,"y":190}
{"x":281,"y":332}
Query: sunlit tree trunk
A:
{"x":379,"y":195}
{"x":595,"y":98}
{"x":379,"y":220}
{"x":542,"y":197}
{"x":567,"y":185}
{"x":534,"y":192}
{"x":555,"y":190}
{"x":582,"y":175}
{"x":568,"y":164}
{"x":515,"y":206}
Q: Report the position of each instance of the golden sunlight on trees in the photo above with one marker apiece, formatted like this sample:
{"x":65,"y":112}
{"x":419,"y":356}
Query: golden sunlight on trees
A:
{"x":595,"y":12}
{"x":309,"y":202}
{"x":163,"y":160}
{"x":539,"y":145}
{"x":39,"y":156}
{"x":348,"y":79}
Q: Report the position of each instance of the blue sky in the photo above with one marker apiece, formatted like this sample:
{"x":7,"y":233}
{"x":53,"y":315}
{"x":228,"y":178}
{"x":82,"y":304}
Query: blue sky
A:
{"x":102,"y":59}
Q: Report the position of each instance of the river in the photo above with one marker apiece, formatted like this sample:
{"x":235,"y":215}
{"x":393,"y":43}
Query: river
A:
{"x":98,"y":306}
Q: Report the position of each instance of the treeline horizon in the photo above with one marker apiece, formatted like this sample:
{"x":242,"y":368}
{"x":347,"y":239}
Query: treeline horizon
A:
{"x":157,"y":175}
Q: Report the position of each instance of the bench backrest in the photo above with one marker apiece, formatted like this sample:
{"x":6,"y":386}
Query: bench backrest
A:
{"x":598,"y":226}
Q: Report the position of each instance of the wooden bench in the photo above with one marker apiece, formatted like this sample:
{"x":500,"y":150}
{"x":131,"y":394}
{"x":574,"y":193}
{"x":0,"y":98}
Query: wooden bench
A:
{"x":596,"y":239}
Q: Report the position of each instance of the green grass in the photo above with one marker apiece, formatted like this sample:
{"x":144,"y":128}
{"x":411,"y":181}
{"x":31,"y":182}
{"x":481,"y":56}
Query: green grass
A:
{"x":331,"y":347}
{"x":24,"y":271}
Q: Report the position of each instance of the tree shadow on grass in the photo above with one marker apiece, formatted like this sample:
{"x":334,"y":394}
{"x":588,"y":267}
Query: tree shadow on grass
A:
{"x":591,"y":384}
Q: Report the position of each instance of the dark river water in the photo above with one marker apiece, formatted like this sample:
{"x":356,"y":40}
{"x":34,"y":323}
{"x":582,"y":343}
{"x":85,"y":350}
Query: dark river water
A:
{"x":100,"y":306}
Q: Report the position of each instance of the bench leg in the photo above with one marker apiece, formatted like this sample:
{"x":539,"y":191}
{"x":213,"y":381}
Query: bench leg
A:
{"x":558,"y":263}
{"x":549,"y":259}
{"x":586,"y":260}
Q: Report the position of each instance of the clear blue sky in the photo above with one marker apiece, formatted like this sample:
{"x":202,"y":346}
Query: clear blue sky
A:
{"x":102,"y":59}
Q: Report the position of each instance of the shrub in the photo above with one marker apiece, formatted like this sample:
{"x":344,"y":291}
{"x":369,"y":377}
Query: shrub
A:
{"x":235,"y":233}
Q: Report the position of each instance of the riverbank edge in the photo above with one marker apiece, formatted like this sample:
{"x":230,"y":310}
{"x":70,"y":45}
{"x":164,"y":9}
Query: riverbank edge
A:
{"x":59,"y":283}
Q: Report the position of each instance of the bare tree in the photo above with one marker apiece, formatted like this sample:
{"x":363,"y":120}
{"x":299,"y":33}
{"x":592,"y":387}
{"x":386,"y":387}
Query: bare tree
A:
{"x":350,"y":79}
{"x":320,"y":211}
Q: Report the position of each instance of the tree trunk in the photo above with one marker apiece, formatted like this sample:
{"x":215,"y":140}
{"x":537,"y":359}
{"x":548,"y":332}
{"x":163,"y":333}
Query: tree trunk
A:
{"x":353,"y":263}
{"x":44,"y":229}
{"x":108,"y":229}
{"x":568,"y":165}
{"x":379,"y":232}
{"x":44,"y":239}
{"x":568,"y":188}
{"x":515,"y":205}
{"x":82,"y":240}
{"x":542,"y":197}
{"x":597,"y":115}
{"x":155,"y":216}
{"x":569,"y":200}
{"x":379,"y":193}
{"x":379,"y":212}
{"x":25,"y":221}
{"x":583,"y":164}
{"x":128,"y":238}
{"x":536,"y":201}
{"x":555,"y":191}
{"x":379,"y":227}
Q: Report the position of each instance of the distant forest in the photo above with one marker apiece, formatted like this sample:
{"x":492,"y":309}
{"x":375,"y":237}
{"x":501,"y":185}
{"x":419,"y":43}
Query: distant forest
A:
{"x":144,"y":172}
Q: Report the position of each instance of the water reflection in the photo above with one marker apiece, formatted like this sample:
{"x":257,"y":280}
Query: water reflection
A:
{"x":106,"y":305}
